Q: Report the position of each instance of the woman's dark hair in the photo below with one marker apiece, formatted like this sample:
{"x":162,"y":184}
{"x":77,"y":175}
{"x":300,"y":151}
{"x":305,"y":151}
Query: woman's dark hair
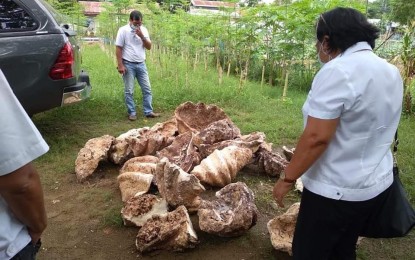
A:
{"x":136,"y":15}
{"x":345,"y":27}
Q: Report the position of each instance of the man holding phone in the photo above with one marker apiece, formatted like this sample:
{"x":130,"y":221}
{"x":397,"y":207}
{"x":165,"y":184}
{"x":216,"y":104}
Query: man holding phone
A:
{"x":131,"y":42}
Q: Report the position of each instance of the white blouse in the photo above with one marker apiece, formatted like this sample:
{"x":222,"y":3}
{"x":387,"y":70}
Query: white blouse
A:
{"x":366,"y":93}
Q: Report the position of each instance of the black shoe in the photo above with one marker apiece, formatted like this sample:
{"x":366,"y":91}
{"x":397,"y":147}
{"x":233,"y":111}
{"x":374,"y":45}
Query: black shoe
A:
{"x":153,"y":115}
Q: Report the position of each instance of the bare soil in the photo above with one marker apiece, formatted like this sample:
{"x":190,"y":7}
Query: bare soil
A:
{"x":84,"y":220}
{"x":84,"y":223}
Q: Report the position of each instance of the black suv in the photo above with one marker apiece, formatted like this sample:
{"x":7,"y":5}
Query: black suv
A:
{"x":39,"y":56}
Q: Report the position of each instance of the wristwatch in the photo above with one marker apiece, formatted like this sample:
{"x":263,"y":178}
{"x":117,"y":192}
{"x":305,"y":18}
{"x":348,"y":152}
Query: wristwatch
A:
{"x":285,"y":179}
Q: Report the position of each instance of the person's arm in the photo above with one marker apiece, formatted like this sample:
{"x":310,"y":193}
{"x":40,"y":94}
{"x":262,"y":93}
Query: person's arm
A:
{"x":120,"y":65}
{"x":146,"y":43}
{"x":146,"y":40}
{"x":313,"y":142}
{"x":22,"y":191}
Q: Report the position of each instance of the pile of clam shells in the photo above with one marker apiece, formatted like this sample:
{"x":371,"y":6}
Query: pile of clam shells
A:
{"x":198,"y":147}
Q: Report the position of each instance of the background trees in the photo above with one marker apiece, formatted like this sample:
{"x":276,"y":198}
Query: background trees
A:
{"x":403,"y":11}
{"x":273,"y":44}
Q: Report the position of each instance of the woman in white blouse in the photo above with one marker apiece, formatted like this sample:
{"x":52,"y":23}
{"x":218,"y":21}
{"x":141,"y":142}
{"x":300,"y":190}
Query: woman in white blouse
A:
{"x":343,"y":155}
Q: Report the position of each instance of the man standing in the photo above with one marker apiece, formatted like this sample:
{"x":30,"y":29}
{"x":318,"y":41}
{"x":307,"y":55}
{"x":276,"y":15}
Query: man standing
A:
{"x":132,"y":40}
{"x":22,"y":210}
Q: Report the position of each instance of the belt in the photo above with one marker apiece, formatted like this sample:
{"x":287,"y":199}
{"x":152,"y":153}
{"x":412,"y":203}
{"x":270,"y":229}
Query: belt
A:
{"x":133,"y":62}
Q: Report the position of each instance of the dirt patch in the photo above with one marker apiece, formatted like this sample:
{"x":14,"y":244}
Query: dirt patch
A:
{"x":85,"y":223}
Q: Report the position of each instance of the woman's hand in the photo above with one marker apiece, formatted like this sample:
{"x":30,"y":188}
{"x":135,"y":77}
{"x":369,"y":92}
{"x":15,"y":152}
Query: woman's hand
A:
{"x":35,"y":237}
{"x":281,"y":188}
{"x":22,"y":191}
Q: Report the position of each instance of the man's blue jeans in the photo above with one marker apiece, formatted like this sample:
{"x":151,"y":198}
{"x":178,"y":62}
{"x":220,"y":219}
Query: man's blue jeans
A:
{"x":138,"y":71}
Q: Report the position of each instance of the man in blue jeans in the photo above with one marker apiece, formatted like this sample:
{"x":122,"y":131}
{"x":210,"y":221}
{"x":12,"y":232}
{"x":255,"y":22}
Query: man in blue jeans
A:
{"x":132,"y":41}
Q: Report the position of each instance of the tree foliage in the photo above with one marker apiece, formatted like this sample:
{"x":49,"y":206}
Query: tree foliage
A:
{"x":403,"y":11}
{"x":273,"y":36}
{"x":122,"y":6}
{"x":66,"y":7}
{"x":267,"y":38}
{"x":378,"y":8}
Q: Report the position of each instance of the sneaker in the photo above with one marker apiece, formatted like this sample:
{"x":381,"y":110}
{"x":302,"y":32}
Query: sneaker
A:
{"x":153,"y":115}
{"x":132,"y":117}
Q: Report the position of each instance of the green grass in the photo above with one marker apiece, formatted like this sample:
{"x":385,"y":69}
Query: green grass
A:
{"x":406,"y":154}
{"x":252,"y":108}
{"x":112,"y":217}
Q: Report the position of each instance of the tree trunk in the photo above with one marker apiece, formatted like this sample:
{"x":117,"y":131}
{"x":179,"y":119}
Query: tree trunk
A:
{"x":220,"y":72}
{"x":196,"y":61}
{"x":284,"y":92}
{"x":217,"y":55}
{"x":271,"y":73}
{"x":205,"y":58}
{"x":241,"y":76}
{"x":246,"y":70}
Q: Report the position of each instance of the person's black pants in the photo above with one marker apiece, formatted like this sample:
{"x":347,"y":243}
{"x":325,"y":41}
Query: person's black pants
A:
{"x":28,"y":252}
{"x":328,"y":228}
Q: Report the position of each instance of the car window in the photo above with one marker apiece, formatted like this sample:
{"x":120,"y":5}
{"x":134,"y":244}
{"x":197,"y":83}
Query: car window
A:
{"x":61,"y":19}
{"x":14,"y":18}
{"x":56,"y":15}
